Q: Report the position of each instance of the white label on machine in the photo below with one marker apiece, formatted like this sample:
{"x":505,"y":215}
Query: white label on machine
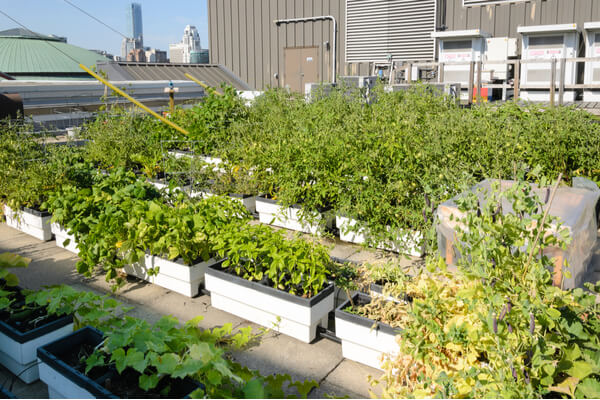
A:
{"x":458,"y":56}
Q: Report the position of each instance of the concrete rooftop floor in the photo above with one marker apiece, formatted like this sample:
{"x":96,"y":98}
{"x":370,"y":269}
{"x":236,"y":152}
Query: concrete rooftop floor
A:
{"x":321,"y":361}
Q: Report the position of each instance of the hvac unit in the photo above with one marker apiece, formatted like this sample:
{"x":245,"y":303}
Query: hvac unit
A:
{"x":456,"y":50}
{"x":358,"y":81}
{"x":592,"y":68}
{"x":547,"y":42}
{"x":498,"y":49}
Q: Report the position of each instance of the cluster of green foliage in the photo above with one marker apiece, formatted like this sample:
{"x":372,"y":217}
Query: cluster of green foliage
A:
{"x":30,"y":168}
{"x":497,"y":327}
{"x":386,"y":163}
{"x":120,"y":217}
{"x":156,"y":352}
{"x":258,"y":253}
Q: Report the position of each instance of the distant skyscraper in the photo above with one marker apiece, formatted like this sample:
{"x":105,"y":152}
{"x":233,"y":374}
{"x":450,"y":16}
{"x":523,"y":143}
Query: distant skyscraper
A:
{"x":134,"y":21}
{"x":182,"y":52}
{"x":135,"y":30}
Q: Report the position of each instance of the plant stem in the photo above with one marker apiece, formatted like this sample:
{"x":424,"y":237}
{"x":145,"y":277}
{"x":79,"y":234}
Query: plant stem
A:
{"x":540,"y":227}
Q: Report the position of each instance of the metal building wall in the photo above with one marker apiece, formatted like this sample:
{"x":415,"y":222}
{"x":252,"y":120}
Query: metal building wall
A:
{"x":503,"y":19}
{"x":244,"y":38}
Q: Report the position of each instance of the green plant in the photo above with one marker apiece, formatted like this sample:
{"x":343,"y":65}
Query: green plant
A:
{"x":497,"y":327}
{"x":257,"y":253}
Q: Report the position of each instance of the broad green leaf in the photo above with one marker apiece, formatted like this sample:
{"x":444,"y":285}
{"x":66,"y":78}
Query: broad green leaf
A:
{"x":135,"y":359}
{"x":580,"y":369}
{"x":166,"y":363}
{"x":148,"y":382}
{"x":254,"y":389}
{"x":589,"y":388}
{"x":10,"y":260}
{"x":118,"y":356}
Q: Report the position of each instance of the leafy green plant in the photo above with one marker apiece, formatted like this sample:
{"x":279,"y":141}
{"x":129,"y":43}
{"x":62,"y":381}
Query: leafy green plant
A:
{"x":257,"y":253}
{"x":497,"y":327}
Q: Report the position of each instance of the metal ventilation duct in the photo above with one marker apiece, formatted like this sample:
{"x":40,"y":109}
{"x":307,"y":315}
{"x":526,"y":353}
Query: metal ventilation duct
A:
{"x":400,"y":28}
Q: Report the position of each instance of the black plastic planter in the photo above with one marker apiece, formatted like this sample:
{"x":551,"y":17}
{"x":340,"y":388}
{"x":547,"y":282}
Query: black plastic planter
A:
{"x":18,"y":349}
{"x":65,"y":381}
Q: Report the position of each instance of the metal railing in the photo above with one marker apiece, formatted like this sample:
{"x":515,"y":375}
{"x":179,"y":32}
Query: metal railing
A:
{"x":557,"y":83}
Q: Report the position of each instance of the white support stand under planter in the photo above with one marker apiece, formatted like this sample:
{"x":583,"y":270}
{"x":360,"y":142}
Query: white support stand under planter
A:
{"x":61,"y":235}
{"x":409,"y":244}
{"x":172,"y":275}
{"x":32,"y":222}
{"x":18,"y":349}
{"x":269,"y":212}
{"x":283,"y":312}
{"x":361,"y":342}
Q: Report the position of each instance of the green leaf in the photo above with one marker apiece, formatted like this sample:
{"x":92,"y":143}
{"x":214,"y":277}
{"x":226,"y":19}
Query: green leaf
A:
{"x":589,"y":388}
{"x":553,"y":313}
{"x":254,"y":389}
{"x":135,"y":359}
{"x":10,"y":260}
{"x":147,"y":382}
{"x":118,"y":356}
{"x":201,"y":351}
{"x":214,"y":377}
{"x":580,"y":369}
{"x":93,"y":361}
{"x":166,"y":363}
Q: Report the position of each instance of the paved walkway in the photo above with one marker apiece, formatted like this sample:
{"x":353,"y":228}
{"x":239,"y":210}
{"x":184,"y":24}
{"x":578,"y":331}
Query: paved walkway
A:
{"x":321,"y":361}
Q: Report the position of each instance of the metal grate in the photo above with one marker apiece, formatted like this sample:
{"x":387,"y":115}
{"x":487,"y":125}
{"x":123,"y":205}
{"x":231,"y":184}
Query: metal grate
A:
{"x":470,"y":3}
{"x":400,"y":28}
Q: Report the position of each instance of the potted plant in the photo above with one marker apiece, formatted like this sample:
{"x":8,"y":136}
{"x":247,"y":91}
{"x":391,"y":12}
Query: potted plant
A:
{"x":177,"y":241}
{"x":278,"y":283}
{"x":364,"y":339}
{"x":23,"y":326}
{"x":64,"y":368}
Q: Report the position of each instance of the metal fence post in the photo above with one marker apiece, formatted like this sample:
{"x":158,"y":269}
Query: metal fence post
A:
{"x":552,"y":82}
{"x":479,"y":72}
{"x":517,"y":80}
{"x":471,"y":78}
{"x":561,"y":82}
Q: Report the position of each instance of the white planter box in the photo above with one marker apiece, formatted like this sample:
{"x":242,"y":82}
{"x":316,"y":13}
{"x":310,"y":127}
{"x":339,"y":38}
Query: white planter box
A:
{"x":409,"y":244}
{"x":285,"y":313}
{"x":18,"y":350}
{"x":61,"y":235}
{"x":361,"y":342}
{"x":31,"y":222}
{"x":269,"y":212}
{"x":172,"y":275}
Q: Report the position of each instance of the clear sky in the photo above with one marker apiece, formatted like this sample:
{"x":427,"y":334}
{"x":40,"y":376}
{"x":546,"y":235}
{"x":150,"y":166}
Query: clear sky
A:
{"x":163,"y":21}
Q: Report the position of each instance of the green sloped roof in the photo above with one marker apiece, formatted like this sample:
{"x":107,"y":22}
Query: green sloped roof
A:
{"x":34,"y":56}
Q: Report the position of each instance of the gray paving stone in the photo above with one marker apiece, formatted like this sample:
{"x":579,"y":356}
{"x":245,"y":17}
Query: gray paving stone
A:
{"x":352,"y":377}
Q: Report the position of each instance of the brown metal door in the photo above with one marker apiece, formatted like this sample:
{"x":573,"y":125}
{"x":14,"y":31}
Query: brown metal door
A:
{"x":301,"y":66}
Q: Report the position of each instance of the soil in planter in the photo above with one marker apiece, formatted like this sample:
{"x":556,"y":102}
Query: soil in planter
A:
{"x":77,"y":357}
{"x":24,"y":318}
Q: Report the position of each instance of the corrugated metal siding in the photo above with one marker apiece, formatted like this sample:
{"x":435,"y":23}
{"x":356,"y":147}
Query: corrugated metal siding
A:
{"x":503,"y":19}
{"x":402,"y":28}
{"x":243,"y":37}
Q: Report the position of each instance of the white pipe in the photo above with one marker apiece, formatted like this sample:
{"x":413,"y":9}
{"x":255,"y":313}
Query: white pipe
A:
{"x":319,"y":18}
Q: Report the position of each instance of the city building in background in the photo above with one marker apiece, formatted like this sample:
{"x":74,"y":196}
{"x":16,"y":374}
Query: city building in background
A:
{"x":135,"y":31}
{"x":137,"y":55}
{"x":156,"y":55}
{"x":189,"y":50}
